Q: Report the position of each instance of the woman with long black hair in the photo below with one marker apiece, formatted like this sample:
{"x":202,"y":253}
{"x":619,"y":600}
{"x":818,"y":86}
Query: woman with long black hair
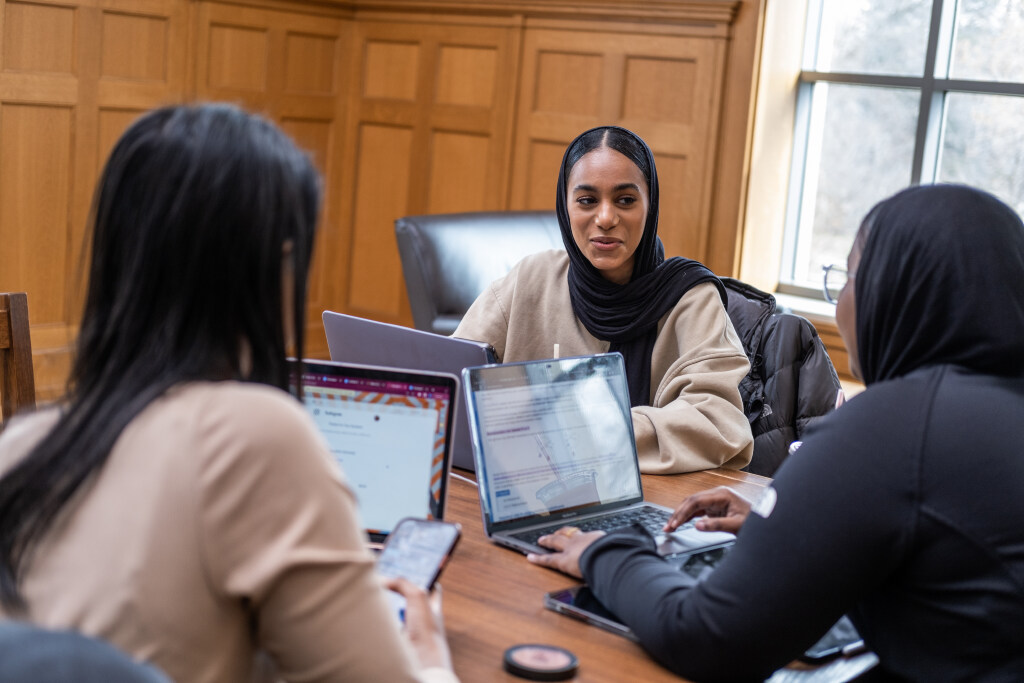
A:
{"x":612,"y":289}
{"x":179,"y":503}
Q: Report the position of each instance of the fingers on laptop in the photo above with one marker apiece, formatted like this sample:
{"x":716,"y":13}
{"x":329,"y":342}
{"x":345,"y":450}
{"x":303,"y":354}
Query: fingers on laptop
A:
{"x":567,"y":544}
{"x":720,"y":509}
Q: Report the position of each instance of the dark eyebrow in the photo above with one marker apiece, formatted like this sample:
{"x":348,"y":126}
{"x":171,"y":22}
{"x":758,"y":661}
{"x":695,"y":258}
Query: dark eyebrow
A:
{"x":618,"y":188}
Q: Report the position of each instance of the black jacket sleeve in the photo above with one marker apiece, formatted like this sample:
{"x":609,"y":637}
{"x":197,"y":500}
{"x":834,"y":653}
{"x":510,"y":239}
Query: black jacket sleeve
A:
{"x":844,"y":511}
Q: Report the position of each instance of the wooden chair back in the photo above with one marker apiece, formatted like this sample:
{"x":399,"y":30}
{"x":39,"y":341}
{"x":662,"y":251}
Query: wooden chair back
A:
{"x":17,"y":379}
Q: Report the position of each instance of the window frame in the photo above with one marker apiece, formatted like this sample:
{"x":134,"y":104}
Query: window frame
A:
{"x":934,"y":87}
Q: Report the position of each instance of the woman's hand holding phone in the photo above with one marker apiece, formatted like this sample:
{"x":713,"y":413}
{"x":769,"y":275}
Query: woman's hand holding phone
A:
{"x":411,"y":561}
{"x":424,"y":623}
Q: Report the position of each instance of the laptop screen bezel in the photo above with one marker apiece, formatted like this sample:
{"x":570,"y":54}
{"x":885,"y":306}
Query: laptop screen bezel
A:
{"x":440,"y":380}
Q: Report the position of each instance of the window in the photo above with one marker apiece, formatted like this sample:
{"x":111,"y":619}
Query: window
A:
{"x":894,"y":93}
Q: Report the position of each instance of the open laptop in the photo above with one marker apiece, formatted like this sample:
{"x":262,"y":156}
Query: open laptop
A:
{"x":554,"y":446}
{"x":358,"y":340}
{"x":390,"y":430}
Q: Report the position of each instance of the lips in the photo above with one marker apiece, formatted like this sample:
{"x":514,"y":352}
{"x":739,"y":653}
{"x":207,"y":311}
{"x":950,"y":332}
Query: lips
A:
{"x":604,"y":243}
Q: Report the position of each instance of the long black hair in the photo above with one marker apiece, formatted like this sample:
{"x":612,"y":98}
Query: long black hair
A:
{"x":199,"y":212}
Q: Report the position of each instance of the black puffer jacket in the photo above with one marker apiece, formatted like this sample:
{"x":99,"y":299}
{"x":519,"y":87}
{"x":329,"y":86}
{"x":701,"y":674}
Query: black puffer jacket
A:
{"x":791,"y":383}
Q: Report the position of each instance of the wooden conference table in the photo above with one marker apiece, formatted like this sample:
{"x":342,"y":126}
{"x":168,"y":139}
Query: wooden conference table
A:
{"x":494,"y":598}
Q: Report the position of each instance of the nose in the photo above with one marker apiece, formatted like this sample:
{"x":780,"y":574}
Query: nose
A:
{"x":607,"y":216}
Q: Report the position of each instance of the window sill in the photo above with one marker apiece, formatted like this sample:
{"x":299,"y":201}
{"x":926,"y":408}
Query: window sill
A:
{"x":815,"y":310}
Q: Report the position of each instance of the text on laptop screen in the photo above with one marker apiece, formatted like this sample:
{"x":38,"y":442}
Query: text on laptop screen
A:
{"x":380,"y":431}
{"x":556,"y":435}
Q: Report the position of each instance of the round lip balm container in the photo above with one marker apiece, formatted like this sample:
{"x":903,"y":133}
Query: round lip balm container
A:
{"x":537,"y":662}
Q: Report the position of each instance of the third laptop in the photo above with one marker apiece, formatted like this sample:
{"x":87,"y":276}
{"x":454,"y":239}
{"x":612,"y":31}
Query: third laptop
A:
{"x":553,"y":442}
{"x":390,"y":431}
{"x":358,"y":340}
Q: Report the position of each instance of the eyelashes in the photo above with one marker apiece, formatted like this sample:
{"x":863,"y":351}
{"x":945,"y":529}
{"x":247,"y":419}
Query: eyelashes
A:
{"x":587,"y":200}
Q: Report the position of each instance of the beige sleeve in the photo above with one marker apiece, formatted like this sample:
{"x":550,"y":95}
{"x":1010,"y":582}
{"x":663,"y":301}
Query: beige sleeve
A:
{"x":696,"y":419}
{"x":487,"y":319}
{"x":281,"y":540}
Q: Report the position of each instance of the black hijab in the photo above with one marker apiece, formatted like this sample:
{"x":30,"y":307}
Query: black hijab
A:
{"x":941,"y":281}
{"x":627,"y":315}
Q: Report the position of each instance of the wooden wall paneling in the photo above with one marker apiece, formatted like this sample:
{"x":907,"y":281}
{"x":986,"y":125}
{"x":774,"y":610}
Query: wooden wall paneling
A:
{"x":232,"y":55}
{"x":406,"y":107}
{"x":310,"y":110}
{"x":38,"y":37}
{"x":289,"y":66}
{"x":431,"y":134}
{"x":385,"y":160}
{"x":72,"y":75}
{"x":36,"y":165}
{"x":666,"y":88}
{"x":47,"y":97}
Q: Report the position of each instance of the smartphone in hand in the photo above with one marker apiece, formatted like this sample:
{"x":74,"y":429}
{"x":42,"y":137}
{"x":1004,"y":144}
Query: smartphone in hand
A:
{"x":418,"y":549}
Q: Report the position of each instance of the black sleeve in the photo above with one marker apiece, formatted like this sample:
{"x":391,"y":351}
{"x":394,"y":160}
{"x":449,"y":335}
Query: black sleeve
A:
{"x":843,"y":517}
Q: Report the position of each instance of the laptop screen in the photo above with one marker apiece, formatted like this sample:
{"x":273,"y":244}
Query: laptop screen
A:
{"x":389,"y":431}
{"x":553,"y":435}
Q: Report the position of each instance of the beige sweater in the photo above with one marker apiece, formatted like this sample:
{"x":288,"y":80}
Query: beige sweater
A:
{"x":695,"y":418}
{"x":218,"y":527}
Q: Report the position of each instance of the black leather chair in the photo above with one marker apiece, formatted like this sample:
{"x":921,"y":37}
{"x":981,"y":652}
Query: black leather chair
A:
{"x":29,"y":654}
{"x":449,"y":259}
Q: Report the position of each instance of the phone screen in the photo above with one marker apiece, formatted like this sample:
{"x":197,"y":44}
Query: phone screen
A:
{"x":417,"y":550}
{"x":579,"y":602}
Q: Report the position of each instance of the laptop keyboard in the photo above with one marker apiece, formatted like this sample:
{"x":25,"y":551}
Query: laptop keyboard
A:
{"x":651,"y":519}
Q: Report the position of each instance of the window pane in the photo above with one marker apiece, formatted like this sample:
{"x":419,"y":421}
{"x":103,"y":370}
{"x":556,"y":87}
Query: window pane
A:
{"x":988,"y":35}
{"x":983,"y":145}
{"x":865,"y":149}
{"x":874,"y":36}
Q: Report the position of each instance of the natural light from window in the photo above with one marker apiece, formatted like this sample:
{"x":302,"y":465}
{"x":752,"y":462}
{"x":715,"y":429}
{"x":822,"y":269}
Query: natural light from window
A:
{"x":893,"y":93}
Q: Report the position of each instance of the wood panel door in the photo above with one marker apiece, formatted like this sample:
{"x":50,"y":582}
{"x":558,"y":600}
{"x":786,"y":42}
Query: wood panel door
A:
{"x":431,"y":109}
{"x":72,"y":76}
{"x":666,"y":88}
{"x":289,"y":66}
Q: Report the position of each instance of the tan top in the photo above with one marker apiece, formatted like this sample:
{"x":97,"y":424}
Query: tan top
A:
{"x":218,"y":527}
{"x":695,"y":419}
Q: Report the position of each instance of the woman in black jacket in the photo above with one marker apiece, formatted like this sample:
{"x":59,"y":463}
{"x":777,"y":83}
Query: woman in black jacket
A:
{"x":905,"y":508}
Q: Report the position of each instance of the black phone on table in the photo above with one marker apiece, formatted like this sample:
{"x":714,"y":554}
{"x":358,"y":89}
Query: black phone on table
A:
{"x":580,"y":603}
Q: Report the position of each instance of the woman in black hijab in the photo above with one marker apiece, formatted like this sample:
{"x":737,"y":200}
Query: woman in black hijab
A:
{"x":905,"y":508}
{"x":613,"y":290}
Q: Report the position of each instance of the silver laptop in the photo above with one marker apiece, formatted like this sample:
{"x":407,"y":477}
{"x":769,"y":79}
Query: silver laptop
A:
{"x":390,"y":430}
{"x":358,"y":340}
{"x":554,"y":446}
